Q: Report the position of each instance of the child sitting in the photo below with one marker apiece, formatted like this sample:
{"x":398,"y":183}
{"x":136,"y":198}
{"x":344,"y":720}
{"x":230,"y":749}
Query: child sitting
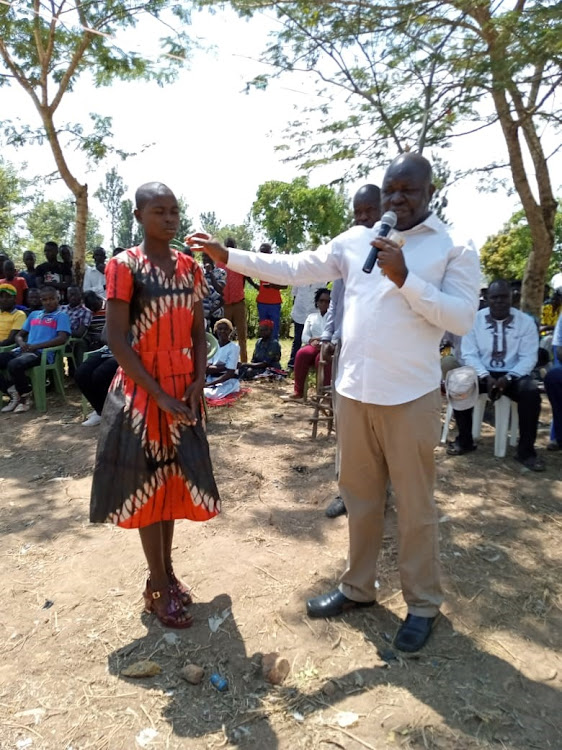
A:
{"x":42,"y":330}
{"x":267,"y":355}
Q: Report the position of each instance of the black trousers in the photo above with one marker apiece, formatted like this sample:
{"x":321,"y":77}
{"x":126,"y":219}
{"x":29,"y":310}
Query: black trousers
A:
{"x":94,"y":377}
{"x":525,"y":393}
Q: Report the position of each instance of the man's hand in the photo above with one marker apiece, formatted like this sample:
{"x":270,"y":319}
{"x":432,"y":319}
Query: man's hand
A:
{"x":25,"y":347}
{"x":391,"y":260}
{"x":209,"y":245}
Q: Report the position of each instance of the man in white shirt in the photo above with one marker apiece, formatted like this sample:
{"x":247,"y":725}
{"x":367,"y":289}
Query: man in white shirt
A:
{"x":389,"y":402}
{"x":94,"y":276}
{"x":503,"y":348}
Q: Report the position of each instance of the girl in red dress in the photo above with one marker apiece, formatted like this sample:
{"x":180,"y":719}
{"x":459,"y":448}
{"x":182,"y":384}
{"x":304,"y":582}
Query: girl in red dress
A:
{"x":153,"y":464}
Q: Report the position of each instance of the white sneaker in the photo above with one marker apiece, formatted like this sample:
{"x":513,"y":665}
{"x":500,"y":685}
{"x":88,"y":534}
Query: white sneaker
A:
{"x":23,"y":405}
{"x":93,"y":420}
{"x":14,"y":400}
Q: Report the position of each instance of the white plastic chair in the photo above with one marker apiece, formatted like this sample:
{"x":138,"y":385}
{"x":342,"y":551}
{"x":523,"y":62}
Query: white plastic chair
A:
{"x":506,"y":419}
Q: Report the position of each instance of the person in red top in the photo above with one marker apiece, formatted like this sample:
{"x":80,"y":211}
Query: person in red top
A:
{"x":235,"y":303}
{"x":18,"y":282}
{"x":269,"y":298}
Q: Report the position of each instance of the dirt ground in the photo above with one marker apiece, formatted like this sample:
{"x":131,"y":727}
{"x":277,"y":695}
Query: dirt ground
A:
{"x":490,"y":677}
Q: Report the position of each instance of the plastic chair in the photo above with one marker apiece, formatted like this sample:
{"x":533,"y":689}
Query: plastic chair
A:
{"x":448,"y":417}
{"x":38,"y":376}
{"x":506,"y":419}
{"x":69,"y":354}
{"x":212,"y":345}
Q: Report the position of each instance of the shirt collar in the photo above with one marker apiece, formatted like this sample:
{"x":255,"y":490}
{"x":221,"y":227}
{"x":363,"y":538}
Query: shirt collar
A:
{"x":432,"y":222}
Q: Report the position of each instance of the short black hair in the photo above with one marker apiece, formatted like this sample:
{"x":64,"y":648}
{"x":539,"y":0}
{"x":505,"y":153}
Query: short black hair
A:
{"x":266,"y":246}
{"x":117,"y":250}
{"x":92,"y":301}
{"x":318,"y":293}
{"x":51,"y":245}
{"x":230,"y":242}
{"x":48,"y":290}
{"x":150,"y":190}
{"x":29,"y":252}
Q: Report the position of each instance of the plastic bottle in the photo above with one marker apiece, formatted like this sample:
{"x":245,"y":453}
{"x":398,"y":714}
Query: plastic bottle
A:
{"x":220,"y":683}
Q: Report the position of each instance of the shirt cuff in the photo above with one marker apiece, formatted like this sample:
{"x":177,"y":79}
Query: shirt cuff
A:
{"x":413,"y":287}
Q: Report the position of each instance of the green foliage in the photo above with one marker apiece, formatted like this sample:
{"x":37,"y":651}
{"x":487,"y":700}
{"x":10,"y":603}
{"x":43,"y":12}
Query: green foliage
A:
{"x":209,"y":222}
{"x":294,"y":215}
{"x":110,"y":195}
{"x":46,"y":47}
{"x":11,"y":197}
{"x":186,"y":225}
{"x":56,"y":220}
{"x":505,"y":254}
{"x":243,"y":234}
{"x":419,"y":75}
{"x":128,"y":231}
{"x":253,"y":317}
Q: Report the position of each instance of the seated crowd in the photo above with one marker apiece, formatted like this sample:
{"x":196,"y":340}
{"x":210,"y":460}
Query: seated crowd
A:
{"x":41,"y":307}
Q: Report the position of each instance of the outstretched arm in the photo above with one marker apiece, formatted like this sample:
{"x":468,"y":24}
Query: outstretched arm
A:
{"x":302,"y":268}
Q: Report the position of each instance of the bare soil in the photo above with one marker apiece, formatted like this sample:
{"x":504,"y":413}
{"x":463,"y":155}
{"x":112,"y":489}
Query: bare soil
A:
{"x":71,"y":621}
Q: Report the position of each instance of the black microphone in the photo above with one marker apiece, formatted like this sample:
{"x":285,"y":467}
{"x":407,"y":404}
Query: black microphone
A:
{"x":388,"y":222}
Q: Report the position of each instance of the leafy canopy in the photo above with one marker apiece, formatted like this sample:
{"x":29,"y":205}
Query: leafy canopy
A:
{"x":505,"y":254}
{"x":294,"y":215}
{"x":56,"y":220}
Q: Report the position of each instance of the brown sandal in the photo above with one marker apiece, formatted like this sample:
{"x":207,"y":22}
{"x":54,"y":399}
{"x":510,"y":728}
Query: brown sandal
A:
{"x":183,"y":590}
{"x":175,"y":615}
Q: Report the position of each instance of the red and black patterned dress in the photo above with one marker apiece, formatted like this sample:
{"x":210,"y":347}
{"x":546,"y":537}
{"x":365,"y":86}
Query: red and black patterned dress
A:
{"x":150,"y":468}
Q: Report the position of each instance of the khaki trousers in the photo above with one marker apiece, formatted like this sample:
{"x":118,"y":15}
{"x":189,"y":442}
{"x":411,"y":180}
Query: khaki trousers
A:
{"x":378,"y":443}
{"x":236,"y":313}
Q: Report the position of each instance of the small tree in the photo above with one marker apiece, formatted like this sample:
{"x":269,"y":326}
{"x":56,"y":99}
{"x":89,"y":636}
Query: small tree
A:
{"x":56,"y":220}
{"x":209,"y":222}
{"x":186,"y":225}
{"x":46,"y":47}
{"x":110,"y":195}
{"x":294,"y":215}
{"x":243,"y":234}
{"x":128,"y":231}
{"x":12,"y":196}
{"x":505,"y":254}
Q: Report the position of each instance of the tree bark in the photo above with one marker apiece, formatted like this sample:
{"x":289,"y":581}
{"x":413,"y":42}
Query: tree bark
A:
{"x":79,"y":191}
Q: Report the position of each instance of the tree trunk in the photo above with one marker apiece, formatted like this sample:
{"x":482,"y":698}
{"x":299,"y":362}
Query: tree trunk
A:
{"x":79,"y":191}
{"x":80,"y":236}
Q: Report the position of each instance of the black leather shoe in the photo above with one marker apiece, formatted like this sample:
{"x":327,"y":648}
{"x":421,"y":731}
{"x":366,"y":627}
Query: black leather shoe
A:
{"x":333,"y":603}
{"x":336,"y":508}
{"x":413,"y":633}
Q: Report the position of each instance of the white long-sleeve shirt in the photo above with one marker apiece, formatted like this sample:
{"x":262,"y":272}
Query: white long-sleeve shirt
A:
{"x":313,"y":327}
{"x":390,"y":335}
{"x":510,"y":345}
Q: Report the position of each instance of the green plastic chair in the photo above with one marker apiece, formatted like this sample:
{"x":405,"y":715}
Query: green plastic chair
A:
{"x":38,"y":376}
{"x":69,"y":354}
